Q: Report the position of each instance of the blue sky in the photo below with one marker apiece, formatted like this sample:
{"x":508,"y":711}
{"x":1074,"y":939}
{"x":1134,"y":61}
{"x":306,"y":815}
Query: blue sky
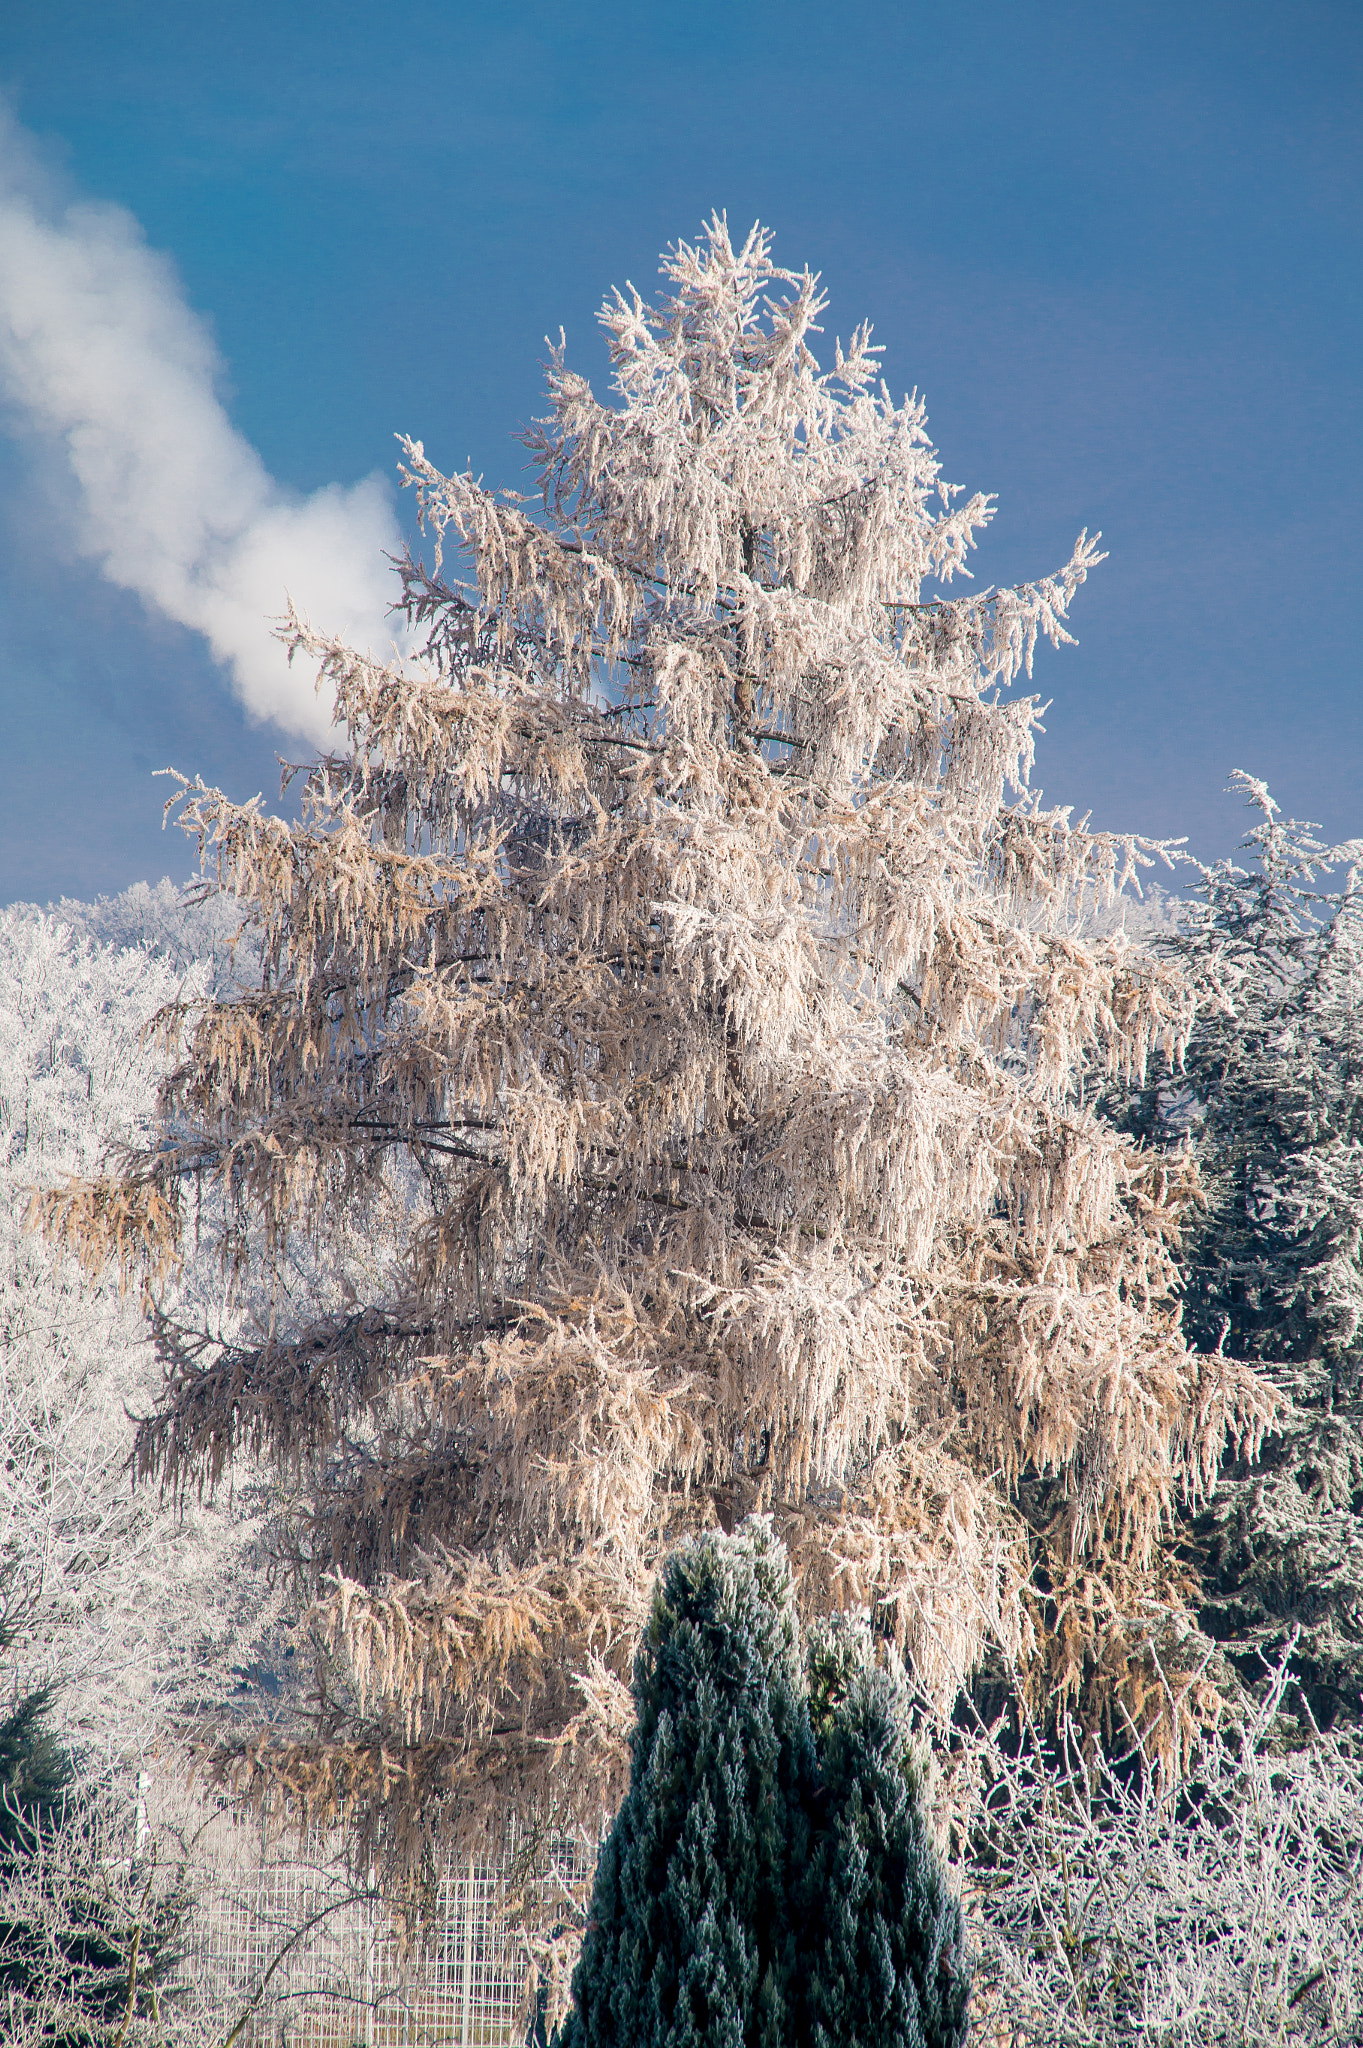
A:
{"x":1117,"y":248}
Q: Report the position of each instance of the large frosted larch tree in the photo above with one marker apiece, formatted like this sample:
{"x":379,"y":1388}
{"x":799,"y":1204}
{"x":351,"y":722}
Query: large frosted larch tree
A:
{"x":671,"y":965}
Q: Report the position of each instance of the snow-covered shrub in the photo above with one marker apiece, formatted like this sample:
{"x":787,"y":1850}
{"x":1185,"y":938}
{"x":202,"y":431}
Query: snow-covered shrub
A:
{"x":1110,"y":1905}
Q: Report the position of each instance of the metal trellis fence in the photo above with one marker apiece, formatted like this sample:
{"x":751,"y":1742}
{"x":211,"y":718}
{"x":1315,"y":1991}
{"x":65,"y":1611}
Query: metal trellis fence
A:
{"x":311,"y":1959}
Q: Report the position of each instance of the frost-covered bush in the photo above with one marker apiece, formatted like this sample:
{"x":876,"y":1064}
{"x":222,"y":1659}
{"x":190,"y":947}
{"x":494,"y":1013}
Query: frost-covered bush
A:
{"x":1108,"y":1904}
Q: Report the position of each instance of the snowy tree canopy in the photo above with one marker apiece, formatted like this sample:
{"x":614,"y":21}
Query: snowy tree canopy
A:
{"x":676,"y":974}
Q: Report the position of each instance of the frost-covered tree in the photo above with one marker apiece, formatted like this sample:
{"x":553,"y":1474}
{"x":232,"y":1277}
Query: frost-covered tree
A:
{"x":1273,"y":1095}
{"x":120,"y":1611}
{"x":673,"y":961}
{"x":179,"y":928}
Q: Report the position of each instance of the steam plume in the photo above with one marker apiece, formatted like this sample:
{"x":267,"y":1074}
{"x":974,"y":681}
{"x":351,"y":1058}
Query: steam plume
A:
{"x":100,"y":353}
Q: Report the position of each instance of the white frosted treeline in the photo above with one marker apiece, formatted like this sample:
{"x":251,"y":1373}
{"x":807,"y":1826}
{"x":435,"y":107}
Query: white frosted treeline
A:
{"x":135,"y":1611}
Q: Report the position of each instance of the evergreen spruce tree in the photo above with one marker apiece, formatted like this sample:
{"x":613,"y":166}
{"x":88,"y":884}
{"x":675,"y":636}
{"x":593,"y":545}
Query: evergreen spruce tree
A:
{"x":1273,"y":1271}
{"x":35,"y":1774}
{"x":692,"y":1938}
{"x":887,"y":1966}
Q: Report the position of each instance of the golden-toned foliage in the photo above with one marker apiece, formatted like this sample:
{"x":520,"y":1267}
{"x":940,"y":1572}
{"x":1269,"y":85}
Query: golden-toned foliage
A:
{"x":676,"y":954}
{"x":132,"y":1223}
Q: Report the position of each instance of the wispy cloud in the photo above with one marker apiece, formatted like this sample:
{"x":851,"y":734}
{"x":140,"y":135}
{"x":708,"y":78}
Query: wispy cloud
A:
{"x":102,"y":357}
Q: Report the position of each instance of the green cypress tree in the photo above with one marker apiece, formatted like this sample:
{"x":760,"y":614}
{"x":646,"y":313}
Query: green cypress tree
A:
{"x":887,"y":1967}
{"x":770,"y":1881}
{"x":692,"y":1941}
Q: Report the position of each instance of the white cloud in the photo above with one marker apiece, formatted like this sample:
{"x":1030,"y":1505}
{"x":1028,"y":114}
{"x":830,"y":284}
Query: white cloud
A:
{"x":100,"y":354}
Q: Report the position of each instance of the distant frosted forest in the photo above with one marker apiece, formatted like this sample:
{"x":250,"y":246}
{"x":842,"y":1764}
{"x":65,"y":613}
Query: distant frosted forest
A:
{"x":132,"y":1609}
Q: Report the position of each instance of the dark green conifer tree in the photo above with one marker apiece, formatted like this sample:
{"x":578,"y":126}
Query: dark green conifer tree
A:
{"x":35,"y":1773}
{"x":691,"y":1940}
{"x":770,"y":1881}
{"x":1272,"y":1097}
{"x":885,"y":1963}
{"x":35,"y":1776}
